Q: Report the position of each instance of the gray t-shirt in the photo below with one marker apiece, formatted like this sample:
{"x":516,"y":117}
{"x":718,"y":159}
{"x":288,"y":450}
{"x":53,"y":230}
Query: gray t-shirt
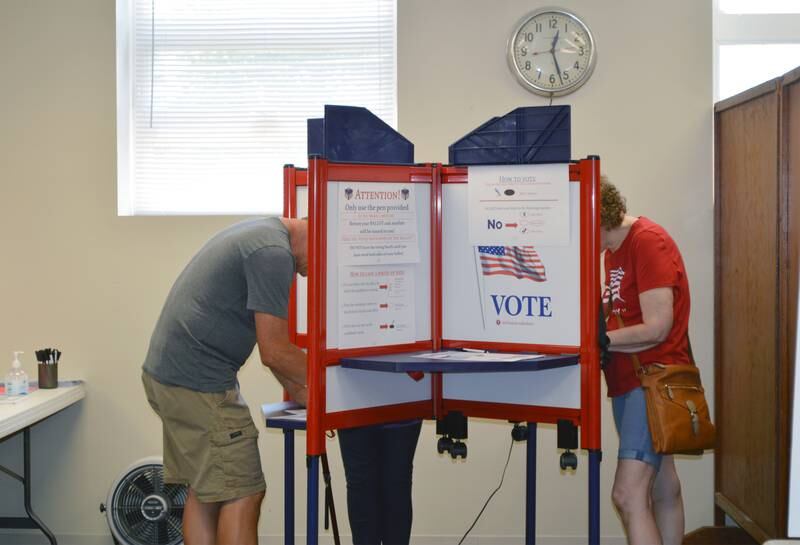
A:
{"x":206,"y":330}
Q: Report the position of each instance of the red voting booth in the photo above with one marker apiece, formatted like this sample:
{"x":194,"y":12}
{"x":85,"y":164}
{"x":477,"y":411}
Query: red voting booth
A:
{"x":353,"y":386}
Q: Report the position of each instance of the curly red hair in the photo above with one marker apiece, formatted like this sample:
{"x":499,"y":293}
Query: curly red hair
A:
{"x":612,"y":204}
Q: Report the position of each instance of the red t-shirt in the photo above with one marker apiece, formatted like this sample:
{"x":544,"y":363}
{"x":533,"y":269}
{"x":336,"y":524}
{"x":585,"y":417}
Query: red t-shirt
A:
{"x":647,"y":259}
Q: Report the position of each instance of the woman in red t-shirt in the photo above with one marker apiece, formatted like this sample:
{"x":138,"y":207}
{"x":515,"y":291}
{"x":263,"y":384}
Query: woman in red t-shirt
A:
{"x":646,"y":286}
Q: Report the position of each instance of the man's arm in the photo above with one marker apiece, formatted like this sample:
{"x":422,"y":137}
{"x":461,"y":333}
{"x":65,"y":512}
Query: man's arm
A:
{"x":656,"y":323}
{"x":284,"y":359}
{"x":297,"y":392}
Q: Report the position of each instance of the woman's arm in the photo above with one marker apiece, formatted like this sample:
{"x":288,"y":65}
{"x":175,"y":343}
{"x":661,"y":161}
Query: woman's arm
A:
{"x":656,"y":323}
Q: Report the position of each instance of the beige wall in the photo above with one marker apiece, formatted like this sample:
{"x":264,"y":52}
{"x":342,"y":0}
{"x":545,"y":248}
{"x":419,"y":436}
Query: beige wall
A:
{"x":75,"y":275}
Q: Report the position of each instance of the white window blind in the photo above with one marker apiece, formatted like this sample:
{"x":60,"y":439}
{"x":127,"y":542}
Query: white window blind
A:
{"x":213,"y":96}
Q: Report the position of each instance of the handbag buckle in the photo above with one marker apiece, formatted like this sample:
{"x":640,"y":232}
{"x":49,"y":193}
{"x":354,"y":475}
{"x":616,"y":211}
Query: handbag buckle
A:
{"x":693,"y":414}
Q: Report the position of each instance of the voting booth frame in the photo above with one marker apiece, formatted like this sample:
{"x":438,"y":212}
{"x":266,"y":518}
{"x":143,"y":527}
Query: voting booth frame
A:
{"x":316,"y":179}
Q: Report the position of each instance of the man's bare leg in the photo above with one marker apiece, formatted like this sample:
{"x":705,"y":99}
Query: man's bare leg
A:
{"x":238,"y":521}
{"x":199,"y":521}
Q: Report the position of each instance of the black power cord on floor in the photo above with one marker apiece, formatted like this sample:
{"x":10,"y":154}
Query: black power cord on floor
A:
{"x":503,"y":476}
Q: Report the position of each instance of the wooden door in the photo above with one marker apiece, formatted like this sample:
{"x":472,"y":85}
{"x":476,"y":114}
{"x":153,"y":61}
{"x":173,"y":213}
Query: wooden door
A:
{"x":747,"y":308}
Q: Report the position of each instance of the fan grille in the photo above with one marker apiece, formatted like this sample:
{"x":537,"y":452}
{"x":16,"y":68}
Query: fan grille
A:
{"x":127,"y":508}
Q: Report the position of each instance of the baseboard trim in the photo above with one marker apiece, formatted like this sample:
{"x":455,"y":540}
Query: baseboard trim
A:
{"x":32,"y":537}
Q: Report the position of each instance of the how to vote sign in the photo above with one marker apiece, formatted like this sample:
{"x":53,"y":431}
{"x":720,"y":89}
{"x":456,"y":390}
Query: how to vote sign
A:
{"x":518,"y":205}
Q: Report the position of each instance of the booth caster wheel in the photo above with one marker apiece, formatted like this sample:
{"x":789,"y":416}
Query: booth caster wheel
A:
{"x":458,"y":449}
{"x":569,"y":460}
{"x":445,"y":444}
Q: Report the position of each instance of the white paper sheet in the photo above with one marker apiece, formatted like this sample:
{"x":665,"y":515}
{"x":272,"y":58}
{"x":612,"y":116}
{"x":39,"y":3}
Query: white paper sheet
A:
{"x":377,"y":224}
{"x":518,"y":205}
{"x":376,"y":306}
{"x":477,"y":356}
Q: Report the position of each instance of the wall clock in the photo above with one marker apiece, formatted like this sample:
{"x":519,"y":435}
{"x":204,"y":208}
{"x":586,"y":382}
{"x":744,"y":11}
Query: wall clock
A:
{"x":551,"y":52}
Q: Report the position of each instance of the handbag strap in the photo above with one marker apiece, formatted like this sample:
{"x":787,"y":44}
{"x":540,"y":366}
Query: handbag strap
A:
{"x":637,"y":366}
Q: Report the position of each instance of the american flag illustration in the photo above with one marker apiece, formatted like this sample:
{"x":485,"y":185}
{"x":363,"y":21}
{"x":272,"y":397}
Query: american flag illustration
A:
{"x":517,"y":261}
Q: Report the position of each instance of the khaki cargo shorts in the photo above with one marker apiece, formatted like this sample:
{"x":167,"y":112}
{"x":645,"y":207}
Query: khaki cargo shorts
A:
{"x":210,"y":441}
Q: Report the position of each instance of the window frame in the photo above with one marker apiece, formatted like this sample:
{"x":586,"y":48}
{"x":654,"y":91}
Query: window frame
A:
{"x":750,"y":29}
{"x":126,"y":113}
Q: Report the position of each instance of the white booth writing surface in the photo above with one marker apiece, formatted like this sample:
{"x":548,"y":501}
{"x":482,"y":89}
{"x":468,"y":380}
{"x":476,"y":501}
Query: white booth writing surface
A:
{"x":560,"y":387}
{"x":351,"y":389}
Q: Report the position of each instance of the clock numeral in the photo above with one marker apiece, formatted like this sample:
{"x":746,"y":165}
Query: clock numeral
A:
{"x":540,"y":75}
{"x":565,"y":74}
{"x":538,"y":27}
{"x":524,"y":51}
{"x":577,"y":66}
{"x":553,"y":23}
{"x":529,"y":37}
{"x":527,"y":65}
{"x":581,"y":51}
{"x":552,"y":78}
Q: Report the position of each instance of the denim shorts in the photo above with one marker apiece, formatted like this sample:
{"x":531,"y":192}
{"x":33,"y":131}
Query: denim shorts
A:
{"x":630,"y":416}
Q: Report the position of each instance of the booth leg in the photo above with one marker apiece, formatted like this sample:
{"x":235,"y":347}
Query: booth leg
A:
{"x":288,"y":487}
{"x":312,"y":521}
{"x":594,"y":496}
{"x":530,"y":489}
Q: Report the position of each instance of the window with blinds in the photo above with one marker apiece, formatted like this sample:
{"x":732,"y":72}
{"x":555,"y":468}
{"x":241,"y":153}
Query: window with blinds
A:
{"x":213,"y":96}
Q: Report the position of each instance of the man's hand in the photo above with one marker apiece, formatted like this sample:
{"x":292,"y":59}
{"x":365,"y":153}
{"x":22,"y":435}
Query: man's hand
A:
{"x":297,"y":392}
{"x":301,"y":396}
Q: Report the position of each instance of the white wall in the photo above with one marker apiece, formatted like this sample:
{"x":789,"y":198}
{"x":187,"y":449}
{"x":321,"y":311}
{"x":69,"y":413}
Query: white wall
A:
{"x":78,"y":277}
{"x":646,"y":111}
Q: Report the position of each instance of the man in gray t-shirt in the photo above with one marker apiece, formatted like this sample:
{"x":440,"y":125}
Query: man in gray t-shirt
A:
{"x":232,"y":295}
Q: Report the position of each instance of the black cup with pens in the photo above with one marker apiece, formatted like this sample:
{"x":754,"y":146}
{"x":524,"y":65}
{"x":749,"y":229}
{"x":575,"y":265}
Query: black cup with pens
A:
{"x":48,"y":367}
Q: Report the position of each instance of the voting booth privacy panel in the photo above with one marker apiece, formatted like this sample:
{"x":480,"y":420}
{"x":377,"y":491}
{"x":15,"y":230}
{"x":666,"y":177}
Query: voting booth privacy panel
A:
{"x":393,"y":269}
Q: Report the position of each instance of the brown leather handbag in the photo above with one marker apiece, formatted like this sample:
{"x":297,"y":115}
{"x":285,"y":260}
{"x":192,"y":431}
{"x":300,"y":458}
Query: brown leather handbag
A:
{"x":677,"y":411}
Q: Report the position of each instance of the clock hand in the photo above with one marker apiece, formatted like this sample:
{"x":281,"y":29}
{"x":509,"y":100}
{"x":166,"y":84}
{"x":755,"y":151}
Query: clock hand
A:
{"x":553,"y":53}
{"x":570,"y":42}
{"x":558,"y":69}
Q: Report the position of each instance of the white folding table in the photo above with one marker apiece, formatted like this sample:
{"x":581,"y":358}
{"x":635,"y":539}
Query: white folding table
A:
{"x":21,"y":416}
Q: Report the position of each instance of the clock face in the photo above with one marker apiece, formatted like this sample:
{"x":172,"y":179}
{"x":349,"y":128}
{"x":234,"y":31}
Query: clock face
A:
{"x":551,"y":52}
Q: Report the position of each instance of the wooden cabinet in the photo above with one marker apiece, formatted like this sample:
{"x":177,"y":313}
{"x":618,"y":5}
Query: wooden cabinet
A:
{"x":757,"y":224}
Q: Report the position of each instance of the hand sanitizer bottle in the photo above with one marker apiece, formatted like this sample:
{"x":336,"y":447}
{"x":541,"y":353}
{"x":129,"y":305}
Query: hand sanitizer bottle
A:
{"x":17,"y":378}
